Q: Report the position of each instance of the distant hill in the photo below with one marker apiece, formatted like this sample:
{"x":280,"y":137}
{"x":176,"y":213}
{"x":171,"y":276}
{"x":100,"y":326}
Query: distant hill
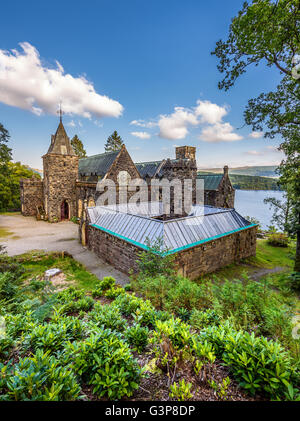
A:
{"x":250,"y":182}
{"x":262,"y":171}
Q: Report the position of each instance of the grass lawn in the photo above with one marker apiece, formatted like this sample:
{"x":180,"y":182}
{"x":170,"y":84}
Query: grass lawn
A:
{"x":267,"y":257}
{"x":36,"y":263}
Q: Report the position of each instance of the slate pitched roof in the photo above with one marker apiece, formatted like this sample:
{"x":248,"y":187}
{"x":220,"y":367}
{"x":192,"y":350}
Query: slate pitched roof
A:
{"x":211,"y":181}
{"x":97,"y":164}
{"x":149,"y":169}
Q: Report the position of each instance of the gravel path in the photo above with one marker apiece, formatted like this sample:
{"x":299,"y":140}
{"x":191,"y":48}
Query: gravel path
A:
{"x":30,"y":234}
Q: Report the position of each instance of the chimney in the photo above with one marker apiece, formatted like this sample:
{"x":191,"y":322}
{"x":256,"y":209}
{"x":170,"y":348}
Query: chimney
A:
{"x":226,"y":170}
{"x":186,"y":152}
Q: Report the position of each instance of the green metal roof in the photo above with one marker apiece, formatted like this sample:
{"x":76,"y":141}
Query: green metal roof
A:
{"x":97,"y":164}
{"x":211,"y":182}
{"x":148,"y":169}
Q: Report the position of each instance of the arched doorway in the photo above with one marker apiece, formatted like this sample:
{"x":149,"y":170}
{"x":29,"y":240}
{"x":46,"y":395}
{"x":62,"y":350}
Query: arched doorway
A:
{"x":64,"y":210}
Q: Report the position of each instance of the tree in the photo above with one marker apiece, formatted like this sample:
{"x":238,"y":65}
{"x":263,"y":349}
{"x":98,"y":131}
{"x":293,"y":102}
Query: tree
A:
{"x":114,"y":142}
{"x":281,"y":213}
{"x":268,"y":32}
{"x":5,"y":151}
{"x":78,"y":147}
{"x":10,"y":185}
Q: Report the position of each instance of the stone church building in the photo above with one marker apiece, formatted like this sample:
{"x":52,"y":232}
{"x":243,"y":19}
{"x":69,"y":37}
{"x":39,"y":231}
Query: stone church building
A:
{"x":69,"y":189}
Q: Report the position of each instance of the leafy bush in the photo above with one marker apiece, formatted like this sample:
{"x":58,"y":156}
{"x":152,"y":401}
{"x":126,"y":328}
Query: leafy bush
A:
{"x":113,"y":293}
{"x":108,"y":282}
{"x":52,"y":337}
{"x":106,"y":317}
{"x":137,"y":336}
{"x":259,"y":364}
{"x":73,"y":301}
{"x":154,"y":263}
{"x":128,"y":304}
{"x":104,"y":360}
{"x":278,"y":240}
{"x":38,"y":378}
{"x":178,"y":332}
{"x":8,"y":286}
{"x":200,"y":319}
{"x":181,"y":391}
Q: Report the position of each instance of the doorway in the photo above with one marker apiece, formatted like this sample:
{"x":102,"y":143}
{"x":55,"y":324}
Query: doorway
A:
{"x":64,"y":210}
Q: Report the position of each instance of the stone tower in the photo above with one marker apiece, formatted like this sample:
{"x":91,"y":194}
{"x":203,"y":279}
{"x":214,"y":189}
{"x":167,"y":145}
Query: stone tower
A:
{"x":184,"y":167}
{"x":60,"y":174}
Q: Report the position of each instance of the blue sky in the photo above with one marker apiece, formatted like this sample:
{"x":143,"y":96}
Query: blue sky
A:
{"x":141,"y":67}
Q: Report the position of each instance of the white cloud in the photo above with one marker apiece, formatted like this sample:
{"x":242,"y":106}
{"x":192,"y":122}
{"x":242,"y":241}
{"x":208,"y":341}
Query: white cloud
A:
{"x":143,"y":123}
{"x":210,"y":113}
{"x":175,"y":125}
{"x":256,"y":135}
{"x":71,"y":123}
{"x":27,"y":84}
{"x":141,"y":135}
{"x":207,"y":114}
{"x":219,"y":132}
{"x":255,"y":153}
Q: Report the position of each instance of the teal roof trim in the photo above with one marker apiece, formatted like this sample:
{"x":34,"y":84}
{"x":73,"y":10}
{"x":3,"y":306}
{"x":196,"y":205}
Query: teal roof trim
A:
{"x":177,"y":249}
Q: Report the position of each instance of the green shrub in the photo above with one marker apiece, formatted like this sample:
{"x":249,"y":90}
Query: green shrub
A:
{"x":181,"y":391}
{"x":127,"y":303}
{"x":200,"y":319}
{"x":185,"y":293}
{"x":137,"y":336}
{"x":8,"y":286}
{"x":108,"y":282}
{"x":107,"y":317}
{"x":259,"y":364}
{"x":104,"y":360}
{"x":278,"y":240}
{"x":113,"y":293}
{"x":38,"y":378}
{"x":145,"y":314}
{"x":52,"y":337}
{"x":178,"y":332}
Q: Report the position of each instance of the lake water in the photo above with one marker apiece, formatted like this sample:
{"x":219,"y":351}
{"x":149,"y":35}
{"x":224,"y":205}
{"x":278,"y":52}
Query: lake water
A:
{"x":251,"y":203}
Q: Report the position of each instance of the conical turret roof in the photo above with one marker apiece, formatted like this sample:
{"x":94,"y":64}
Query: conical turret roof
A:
{"x":60,"y":143}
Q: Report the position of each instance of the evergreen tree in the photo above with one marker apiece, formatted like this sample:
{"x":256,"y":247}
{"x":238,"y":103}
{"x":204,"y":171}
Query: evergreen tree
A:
{"x":114,"y":142}
{"x":78,"y":147}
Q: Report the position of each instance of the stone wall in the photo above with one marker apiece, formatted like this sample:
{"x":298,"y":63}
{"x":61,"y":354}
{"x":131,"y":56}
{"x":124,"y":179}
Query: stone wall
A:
{"x":210,"y":256}
{"x":119,"y":253}
{"x":60,"y":174}
{"x":31,"y":192}
{"x":192,"y":263}
{"x":223,"y":197}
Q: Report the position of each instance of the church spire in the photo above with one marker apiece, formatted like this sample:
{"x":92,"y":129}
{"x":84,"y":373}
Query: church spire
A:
{"x":60,"y":143}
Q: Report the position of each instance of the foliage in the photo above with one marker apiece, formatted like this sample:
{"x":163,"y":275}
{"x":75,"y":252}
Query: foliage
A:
{"x":38,"y":378}
{"x":107,"y":317}
{"x":114,"y":142}
{"x":155,"y":261}
{"x":281,"y":213}
{"x":269,"y":31}
{"x":200,"y":319}
{"x":278,"y":240}
{"x":78,"y":147}
{"x":104,"y":361}
{"x":181,"y":391}
{"x":108,"y":282}
{"x":5,"y":151}
{"x":10,"y":175}
{"x":258,"y":364}
{"x":137,"y":336}
{"x":262,"y":31}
